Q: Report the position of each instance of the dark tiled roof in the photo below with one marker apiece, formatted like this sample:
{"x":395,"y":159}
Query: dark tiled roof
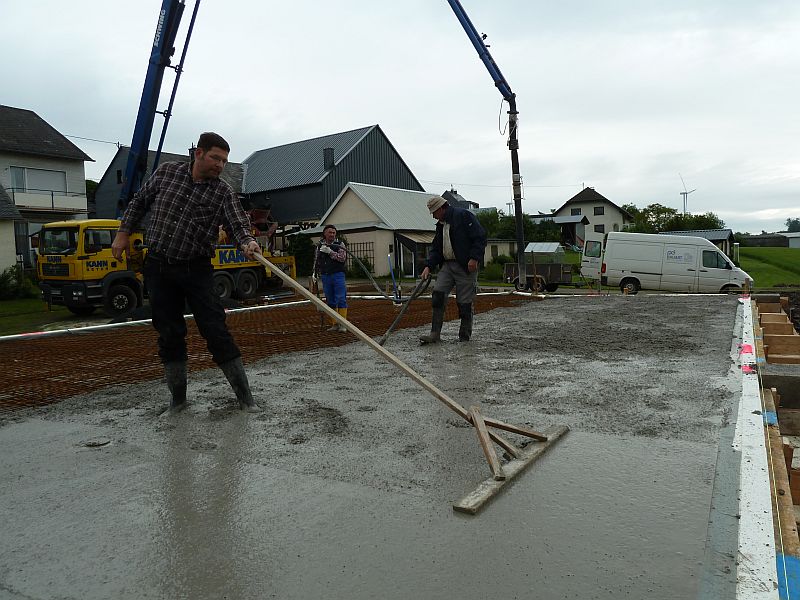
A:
{"x":8,"y":209}
{"x":26,"y":132}
{"x":590,"y":195}
{"x":710,"y":234}
{"x":298,"y":163}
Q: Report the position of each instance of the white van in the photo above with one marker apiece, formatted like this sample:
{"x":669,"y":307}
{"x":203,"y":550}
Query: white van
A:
{"x":676,"y":263}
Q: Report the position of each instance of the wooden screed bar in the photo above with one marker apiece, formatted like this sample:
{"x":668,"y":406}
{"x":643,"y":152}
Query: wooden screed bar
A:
{"x":483,"y":425}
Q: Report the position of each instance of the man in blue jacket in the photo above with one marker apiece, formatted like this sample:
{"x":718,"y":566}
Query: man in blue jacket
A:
{"x":458,"y":248}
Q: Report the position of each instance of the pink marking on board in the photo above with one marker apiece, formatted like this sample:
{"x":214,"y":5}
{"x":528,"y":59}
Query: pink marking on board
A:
{"x":746,"y":349}
{"x":749,"y":369}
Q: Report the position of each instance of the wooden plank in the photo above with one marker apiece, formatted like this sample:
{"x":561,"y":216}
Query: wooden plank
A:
{"x":779,"y":328}
{"x":486,"y":443}
{"x":773,"y":318}
{"x":788,"y":457}
{"x":783,"y":512}
{"x":794,"y":483}
{"x":473,"y":502}
{"x":515,"y":429}
{"x":769,"y":307}
{"x":782,"y":344}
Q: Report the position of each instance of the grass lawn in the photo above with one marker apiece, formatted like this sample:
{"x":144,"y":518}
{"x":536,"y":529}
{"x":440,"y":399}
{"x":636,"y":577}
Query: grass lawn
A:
{"x":771,"y":267}
{"x":29,"y":314}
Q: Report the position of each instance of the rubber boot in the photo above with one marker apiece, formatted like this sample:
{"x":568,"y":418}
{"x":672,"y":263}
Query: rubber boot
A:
{"x":437,"y":319}
{"x":465,"y":329}
{"x":234,"y":373}
{"x":339,"y":327}
{"x":175,"y":374}
{"x":333,"y":322}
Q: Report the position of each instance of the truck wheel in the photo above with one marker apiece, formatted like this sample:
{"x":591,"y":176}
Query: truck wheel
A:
{"x":223,"y":285}
{"x":246,"y":284}
{"x":81,"y":311}
{"x":518,"y":287}
{"x":551,"y":287}
{"x":120,"y":299}
{"x":630,"y":285}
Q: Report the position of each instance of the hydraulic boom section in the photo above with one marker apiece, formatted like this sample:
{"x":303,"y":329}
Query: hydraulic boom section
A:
{"x":513,"y":144}
{"x":169,"y":18}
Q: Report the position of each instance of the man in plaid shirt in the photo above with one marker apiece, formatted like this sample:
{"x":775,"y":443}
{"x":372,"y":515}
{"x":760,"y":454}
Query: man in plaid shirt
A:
{"x":187,"y":204}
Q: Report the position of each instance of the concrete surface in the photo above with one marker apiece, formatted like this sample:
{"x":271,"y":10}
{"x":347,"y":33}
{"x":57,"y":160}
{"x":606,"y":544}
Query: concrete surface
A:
{"x":343,"y":487}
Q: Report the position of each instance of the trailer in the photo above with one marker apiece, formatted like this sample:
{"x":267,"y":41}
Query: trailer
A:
{"x":545,"y":268}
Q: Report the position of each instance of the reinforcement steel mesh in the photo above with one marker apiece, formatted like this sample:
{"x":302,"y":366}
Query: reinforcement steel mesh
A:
{"x":41,"y":370}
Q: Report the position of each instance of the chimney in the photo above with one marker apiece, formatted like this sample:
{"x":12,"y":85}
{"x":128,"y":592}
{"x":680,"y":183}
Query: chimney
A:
{"x":327,"y":158}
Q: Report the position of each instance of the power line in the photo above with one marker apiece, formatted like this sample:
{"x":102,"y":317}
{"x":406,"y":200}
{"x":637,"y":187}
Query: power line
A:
{"x":450,"y":183}
{"x":77,"y":137}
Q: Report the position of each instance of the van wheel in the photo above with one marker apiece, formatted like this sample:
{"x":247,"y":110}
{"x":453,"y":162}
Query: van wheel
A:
{"x":223,"y":285}
{"x":518,"y":287}
{"x":81,"y":311}
{"x":731,"y":289}
{"x":246,"y":284}
{"x":120,"y":299}
{"x":551,"y":287}
{"x":629,"y":286}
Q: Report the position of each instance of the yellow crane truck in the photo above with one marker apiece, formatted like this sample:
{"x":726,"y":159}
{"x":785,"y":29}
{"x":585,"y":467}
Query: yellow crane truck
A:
{"x":75,"y":269}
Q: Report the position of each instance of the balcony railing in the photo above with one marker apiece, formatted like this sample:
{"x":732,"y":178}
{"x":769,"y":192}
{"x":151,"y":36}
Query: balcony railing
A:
{"x":48,"y":200}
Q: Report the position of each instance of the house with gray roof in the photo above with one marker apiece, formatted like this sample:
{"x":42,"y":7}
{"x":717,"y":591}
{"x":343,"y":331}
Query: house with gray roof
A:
{"x":300,"y":181}
{"x":381,"y":221}
{"x":109,"y":188}
{"x":42,"y":173}
{"x":602,"y":214}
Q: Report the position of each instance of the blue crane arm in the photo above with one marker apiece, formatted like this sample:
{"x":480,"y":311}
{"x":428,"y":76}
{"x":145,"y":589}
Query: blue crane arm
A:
{"x":483,"y":51}
{"x":513,"y":143}
{"x":169,"y":18}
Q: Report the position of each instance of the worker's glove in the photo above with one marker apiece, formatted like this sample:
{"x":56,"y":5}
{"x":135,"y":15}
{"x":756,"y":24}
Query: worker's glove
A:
{"x":325,"y":249}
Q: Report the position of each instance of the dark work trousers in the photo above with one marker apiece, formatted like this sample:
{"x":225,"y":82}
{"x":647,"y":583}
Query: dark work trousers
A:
{"x":171,"y":286}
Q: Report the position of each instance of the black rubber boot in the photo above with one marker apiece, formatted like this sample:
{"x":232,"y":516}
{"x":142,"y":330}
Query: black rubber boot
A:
{"x":437,"y":319}
{"x":234,"y":373}
{"x":175,"y":374}
{"x":465,"y":330}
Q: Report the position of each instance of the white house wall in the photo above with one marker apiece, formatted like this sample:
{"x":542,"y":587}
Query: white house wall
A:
{"x":76,"y":173}
{"x":8,"y":253}
{"x":612,"y":218}
{"x":351,"y":209}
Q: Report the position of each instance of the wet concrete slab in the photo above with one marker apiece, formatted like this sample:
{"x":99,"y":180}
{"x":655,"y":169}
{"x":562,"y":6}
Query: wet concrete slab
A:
{"x":344,"y":487}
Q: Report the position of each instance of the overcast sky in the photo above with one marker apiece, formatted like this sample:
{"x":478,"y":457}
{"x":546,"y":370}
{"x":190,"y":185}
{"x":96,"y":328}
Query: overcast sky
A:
{"x":622,"y":96}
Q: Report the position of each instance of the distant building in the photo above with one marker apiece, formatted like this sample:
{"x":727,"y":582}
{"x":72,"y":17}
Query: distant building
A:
{"x":455,"y":199}
{"x":603,"y":215}
{"x":109,"y":188}
{"x":301,"y":180}
{"x":381,"y":222}
{"x":43,"y":176}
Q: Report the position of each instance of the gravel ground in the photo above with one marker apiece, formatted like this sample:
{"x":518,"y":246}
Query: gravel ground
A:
{"x":347,"y":437}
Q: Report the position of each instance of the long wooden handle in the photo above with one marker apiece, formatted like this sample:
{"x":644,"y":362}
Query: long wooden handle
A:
{"x":424,"y":383}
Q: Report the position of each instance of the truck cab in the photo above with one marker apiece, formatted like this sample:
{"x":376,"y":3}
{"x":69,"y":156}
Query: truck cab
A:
{"x":76,"y":269}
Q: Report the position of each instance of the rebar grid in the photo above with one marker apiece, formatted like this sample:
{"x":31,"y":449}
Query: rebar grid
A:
{"x":43,"y":370}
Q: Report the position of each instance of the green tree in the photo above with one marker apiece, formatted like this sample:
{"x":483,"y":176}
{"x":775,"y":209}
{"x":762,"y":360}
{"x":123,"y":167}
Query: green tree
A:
{"x":490,"y":221}
{"x":793,"y":225}
{"x":691,"y":222}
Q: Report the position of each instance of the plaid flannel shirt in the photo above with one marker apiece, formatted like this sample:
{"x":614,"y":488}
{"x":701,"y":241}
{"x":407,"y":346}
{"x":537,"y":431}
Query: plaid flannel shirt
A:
{"x":185,"y":214}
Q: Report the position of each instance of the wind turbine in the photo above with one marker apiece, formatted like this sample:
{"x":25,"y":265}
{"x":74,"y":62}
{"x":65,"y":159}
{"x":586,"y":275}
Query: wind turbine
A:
{"x":684,"y":193}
